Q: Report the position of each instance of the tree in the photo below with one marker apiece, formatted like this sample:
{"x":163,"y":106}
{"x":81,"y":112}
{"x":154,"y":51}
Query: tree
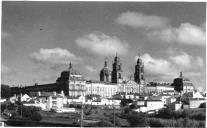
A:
{"x":202,"y":105}
{"x":125,"y":102}
{"x":137,"y":119}
{"x":3,"y":107}
{"x":5,"y":91}
{"x":133,"y":106}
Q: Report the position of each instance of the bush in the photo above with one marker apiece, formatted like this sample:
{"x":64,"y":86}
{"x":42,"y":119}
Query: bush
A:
{"x":185,"y":114}
{"x":3,"y":107}
{"x":105,"y":123}
{"x":155,"y":123}
{"x":125,"y":102}
{"x":202,"y":105}
{"x":36,"y":116}
{"x":5,"y":91}
{"x":133,"y":106}
{"x":137,"y":119}
{"x":30,"y":112}
{"x":190,"y":123}
{"x":165,"y":113}
{"x":11,"y":106}
{"x":199,"y":116}
{"x":121,"y":122}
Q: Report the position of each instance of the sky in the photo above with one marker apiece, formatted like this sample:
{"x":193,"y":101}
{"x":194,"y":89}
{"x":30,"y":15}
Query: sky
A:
{"x":40,"y":39}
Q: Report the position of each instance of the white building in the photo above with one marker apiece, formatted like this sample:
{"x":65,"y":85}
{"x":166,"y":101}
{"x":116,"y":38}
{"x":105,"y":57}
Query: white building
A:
{"x":52,"y":100}
{"x":131,"y":87}
{"x":149,"y":105}
{"x":25,"y":97}
{"x":160,"y":88}
{"x":102,"y":89}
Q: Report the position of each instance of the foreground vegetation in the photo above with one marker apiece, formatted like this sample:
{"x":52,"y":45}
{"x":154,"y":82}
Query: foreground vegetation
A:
{"x":109,"y":117}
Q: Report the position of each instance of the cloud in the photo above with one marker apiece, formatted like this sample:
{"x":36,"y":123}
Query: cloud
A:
{"x":54,"y":56}
{"x":5,"y":69}
{"x":186,"y":61}
{"x":101,"y":44}
{"x":158,"y":66}
{"x":90,"y":69}
{"x":191,"y":34}
{"x":183,"y":60}
{"x":185,"y":34}
{"x":170,"y":67}
{"x":140,"y":20}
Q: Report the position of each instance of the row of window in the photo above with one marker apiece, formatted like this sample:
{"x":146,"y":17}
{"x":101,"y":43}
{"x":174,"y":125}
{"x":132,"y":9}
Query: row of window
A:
{"x":100,"y":89}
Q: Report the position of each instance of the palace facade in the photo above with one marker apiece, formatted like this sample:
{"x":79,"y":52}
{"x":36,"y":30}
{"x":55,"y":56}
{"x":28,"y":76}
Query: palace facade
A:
{"x":73,"y":84}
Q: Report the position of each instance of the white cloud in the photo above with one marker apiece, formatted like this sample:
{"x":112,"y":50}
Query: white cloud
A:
{"x":99,"y":43}
{"x":191,"y":34}
{"x":169,"y":68}
{"x":199,"y":61}
{"x":158,"y":66}
{"x":185,"y":34}
{"x":140,"y":20}
{"x":5,"y":69}
{"x":54,"y":56}
{"x":91,"y":69}
{"x":185,"y":61}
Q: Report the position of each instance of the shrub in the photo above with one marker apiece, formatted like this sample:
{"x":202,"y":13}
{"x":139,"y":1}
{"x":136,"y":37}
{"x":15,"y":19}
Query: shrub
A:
{"x":125,"y":102}
{"x":137,"y":119}
{"x":155,"y":123}
{"x":202,"y":105}
{"x":190,"y":123}
{"x":29,"y":112}
{"x":3,"y":107}
{"x":105,"y":123}
{"x":121,"y":122}
{"x":165,"y":113}
{"x":185,"y":113}
{"x":133,"y":106}
{"x":199,"y":116}
{"x":11,"y":106}
{"x":5,"y":91}
{"x":36,"y":116}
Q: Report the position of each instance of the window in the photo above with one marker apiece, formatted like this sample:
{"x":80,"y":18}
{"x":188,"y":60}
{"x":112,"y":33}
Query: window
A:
{"x":54,"y":102}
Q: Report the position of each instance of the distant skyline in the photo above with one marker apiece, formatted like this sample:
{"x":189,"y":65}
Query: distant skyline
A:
{"x":40,"y":39}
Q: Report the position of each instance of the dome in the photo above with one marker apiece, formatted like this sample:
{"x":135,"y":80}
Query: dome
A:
{"x":64,"y":73}
{"x":105,"y":70}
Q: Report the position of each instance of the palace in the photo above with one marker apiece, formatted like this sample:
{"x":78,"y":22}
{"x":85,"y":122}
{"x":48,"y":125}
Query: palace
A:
{"x":73,"y":84}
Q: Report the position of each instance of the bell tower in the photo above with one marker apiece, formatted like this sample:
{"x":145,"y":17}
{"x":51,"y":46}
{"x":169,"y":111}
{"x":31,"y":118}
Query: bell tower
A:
{"x":139,"y":71}
{"x":105,"y":73}
{"x":116,"y":74}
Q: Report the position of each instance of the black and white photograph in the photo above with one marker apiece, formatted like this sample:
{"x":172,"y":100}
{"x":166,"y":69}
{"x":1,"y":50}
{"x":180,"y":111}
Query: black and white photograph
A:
{"x":103,"y":64}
